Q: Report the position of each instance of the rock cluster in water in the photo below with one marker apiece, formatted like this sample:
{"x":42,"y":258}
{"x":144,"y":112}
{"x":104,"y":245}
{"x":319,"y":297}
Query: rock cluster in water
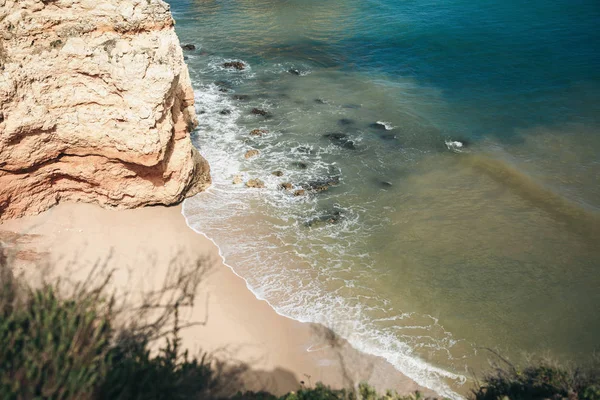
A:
{"x":235,"y":65}
{"x":96,"y":105}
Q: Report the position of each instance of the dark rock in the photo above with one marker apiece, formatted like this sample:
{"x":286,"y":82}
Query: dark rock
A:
{"x":321,"y":185}
{"x":258,"y":111}
{"x":223,"y":90}
{"x":185,"y":58}
{"x":332,"y":217}
{"x":225,"y":112}
{"x":345,"y":122}
{"x":300,"y":164}
{"x":294,"y":72}
{"x":340,"y":139}
{"x":303,"y":149}
{"x":202,"y":112}
{"x":286,"y":186}
{"x":378,"y":125}
{"x":385,"y":184}
{"x":277,"y":173}
{"x":241,"y":97}
{"x":189,"y":47}
{"x":319,"y":101}
{"x":235,"y":65}
{"x":224,"y":84}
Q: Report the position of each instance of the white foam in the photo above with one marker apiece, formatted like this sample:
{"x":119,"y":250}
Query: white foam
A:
{"x":454,"y":145}
{"x":387,"y":125}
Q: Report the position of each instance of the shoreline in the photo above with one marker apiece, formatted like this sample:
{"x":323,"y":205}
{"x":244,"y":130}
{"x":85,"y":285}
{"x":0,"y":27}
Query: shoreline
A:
{"x":274,"y":352}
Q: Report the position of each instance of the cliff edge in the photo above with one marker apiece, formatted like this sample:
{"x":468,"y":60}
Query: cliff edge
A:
{"x":96,"y":105}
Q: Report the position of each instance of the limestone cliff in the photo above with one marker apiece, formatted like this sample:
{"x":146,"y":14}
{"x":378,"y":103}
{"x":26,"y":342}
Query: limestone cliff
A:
{"x":96,"y":105}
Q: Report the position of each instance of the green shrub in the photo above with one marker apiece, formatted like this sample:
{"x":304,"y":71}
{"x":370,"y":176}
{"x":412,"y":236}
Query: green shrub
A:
{"x":322,"y":392}
{"x":542,"y":380}
{"x":51,"y":347}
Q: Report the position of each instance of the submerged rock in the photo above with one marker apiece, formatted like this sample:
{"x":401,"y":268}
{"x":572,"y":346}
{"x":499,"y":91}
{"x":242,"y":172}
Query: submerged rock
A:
{"x":378,"y":125}
{"x":258,"y":111}
{"x":258,"y":132}
{"x":255,"y":183}
{"x":303,"y":149}
{"x":251,"y":153}
{"x":387,"y":136}
{"x":241,"y":97}
{"x":300,"y":192}
{"x":345,"y":122}
{"x":328,"y":218}
{"x":277,"y":173}
{"x":341,"y":139}
{"x":188,"y":47}
{"x":294,"y":72}
{"x":320,"y":101}
{"x":385,"y":184}
{"x":225,"y":112}
{"x":300,"y":164}
{"x":235,"y":65}
{"x":224,"y":84}
{"x":286,"y":186}
{"x":237,"y":180}
{"x":321,"y":185}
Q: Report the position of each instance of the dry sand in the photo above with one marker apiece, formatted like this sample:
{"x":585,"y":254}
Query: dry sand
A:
{"x":275,"y":353}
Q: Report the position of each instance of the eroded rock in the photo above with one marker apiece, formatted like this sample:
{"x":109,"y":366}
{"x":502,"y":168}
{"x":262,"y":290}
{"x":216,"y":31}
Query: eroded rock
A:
{"x":258,"y":132}
{"x":97,"y":106}
{"x":255,"y":183}
{"x":251,"y":153}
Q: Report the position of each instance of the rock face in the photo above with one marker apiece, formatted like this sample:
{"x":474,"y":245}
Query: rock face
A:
{"x":96,"y":105}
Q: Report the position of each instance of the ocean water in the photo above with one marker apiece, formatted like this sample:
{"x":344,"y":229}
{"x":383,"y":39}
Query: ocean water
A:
{"x":420,"y":251}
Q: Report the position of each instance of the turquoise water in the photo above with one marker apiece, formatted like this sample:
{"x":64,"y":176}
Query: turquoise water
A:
{"x":419,"y":251}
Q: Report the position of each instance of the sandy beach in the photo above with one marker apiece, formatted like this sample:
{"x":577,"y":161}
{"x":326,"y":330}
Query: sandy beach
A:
{"x":271,"y":352}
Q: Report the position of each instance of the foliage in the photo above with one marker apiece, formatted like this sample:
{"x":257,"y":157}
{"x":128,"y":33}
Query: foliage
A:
{"x":66,"y":346}
{"x":135,"y":374}
{"x":51,"y":347}
{"x":541,"y":380}
{"x":322,"y":392}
